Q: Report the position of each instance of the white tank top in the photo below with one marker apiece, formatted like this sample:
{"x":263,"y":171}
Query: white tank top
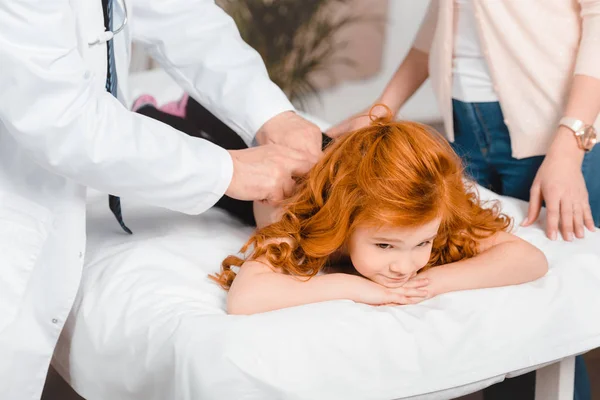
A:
{"x":472,"y":81}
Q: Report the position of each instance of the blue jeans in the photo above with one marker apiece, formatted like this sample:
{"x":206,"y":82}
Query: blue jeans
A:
{"x":483,"y":141}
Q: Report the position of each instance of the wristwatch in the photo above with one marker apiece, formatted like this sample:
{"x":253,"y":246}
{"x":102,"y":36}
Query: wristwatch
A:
{"x":585,"y":134}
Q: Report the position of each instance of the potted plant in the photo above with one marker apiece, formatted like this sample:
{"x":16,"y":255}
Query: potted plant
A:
{"x":296,"y":38}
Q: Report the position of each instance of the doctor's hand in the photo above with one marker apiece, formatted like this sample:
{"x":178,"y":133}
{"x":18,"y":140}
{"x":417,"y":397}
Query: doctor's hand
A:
{"x":291,"y":130}
{"x":266,"y":172}
{"x":559,"y":182}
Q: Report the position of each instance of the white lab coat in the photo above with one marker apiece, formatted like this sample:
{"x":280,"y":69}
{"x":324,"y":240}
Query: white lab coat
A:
{"x":60,"y":132}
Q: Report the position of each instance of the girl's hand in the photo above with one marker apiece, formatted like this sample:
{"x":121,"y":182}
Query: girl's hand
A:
{"x":412,"y":292}
{"x":435,"y":282}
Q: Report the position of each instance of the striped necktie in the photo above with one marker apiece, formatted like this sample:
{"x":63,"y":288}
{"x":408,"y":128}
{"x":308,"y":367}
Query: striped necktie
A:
{"x":114,"y":202}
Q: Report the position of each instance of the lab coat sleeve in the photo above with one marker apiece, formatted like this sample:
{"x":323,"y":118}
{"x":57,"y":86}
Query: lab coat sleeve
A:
{"x":55,"y":108}
{"x":199,"y":45}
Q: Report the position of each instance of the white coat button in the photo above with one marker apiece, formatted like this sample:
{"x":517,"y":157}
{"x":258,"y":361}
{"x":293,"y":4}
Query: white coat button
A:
{"x":54,"y":321}
{"x":80,"y":254}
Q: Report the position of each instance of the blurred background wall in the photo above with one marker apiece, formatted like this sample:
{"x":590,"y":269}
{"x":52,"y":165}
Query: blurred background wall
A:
{"x":332,"y":57}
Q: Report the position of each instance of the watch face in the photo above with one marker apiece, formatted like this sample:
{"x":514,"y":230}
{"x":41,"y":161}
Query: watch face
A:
{"x":589,"y":138}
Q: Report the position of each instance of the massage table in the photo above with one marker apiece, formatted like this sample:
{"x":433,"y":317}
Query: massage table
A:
{"x":149,"y":324}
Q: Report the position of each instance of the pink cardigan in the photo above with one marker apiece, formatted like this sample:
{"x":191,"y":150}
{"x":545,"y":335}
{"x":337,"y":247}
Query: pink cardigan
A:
{"x":533,"y":49}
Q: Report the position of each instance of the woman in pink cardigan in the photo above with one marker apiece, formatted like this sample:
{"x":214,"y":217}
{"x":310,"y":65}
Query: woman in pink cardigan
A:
{"x":518,"y":86}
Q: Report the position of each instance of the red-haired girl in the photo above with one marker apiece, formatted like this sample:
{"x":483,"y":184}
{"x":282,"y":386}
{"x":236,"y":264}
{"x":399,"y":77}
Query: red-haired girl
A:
{"x":389,"y":202}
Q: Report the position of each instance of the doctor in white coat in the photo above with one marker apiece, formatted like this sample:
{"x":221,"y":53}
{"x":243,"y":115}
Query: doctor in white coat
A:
{"x":61,"y":132}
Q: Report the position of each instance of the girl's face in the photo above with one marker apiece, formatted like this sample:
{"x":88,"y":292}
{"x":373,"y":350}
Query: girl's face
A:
{"x":389,"y":255}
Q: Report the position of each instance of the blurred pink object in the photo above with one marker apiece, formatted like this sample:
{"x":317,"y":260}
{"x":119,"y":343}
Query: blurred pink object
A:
{"x":176,"y":108}
{"x":144,"y":100}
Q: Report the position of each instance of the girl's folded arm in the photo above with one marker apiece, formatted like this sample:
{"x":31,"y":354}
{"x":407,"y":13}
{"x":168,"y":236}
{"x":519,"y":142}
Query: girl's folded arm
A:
{"x":504,"y":260}
{"x":258,"y":288}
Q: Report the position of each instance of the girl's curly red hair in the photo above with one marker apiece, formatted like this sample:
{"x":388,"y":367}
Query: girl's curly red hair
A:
{"x":389,"y":173}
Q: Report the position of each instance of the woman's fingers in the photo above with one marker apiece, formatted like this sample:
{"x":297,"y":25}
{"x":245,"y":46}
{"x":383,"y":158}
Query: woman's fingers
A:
{"x":552,"y":214}
{"x":588,"y":220}
{"x":578,"y":221}
{"x":339,"y":129}
{"x":353,"y":123}
{"x":535,"y":205}
{"x":566,"y":218}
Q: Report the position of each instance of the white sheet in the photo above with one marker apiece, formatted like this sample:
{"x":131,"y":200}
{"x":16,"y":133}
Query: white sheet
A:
{"x":148,"y":324}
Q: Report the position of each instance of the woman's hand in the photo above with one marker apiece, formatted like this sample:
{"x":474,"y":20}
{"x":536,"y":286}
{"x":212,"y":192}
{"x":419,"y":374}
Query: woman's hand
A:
{"x":559,"y":182}
{"x":409,"y":77}
{"x":412,"y":292}
{"x":357,"y":121}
